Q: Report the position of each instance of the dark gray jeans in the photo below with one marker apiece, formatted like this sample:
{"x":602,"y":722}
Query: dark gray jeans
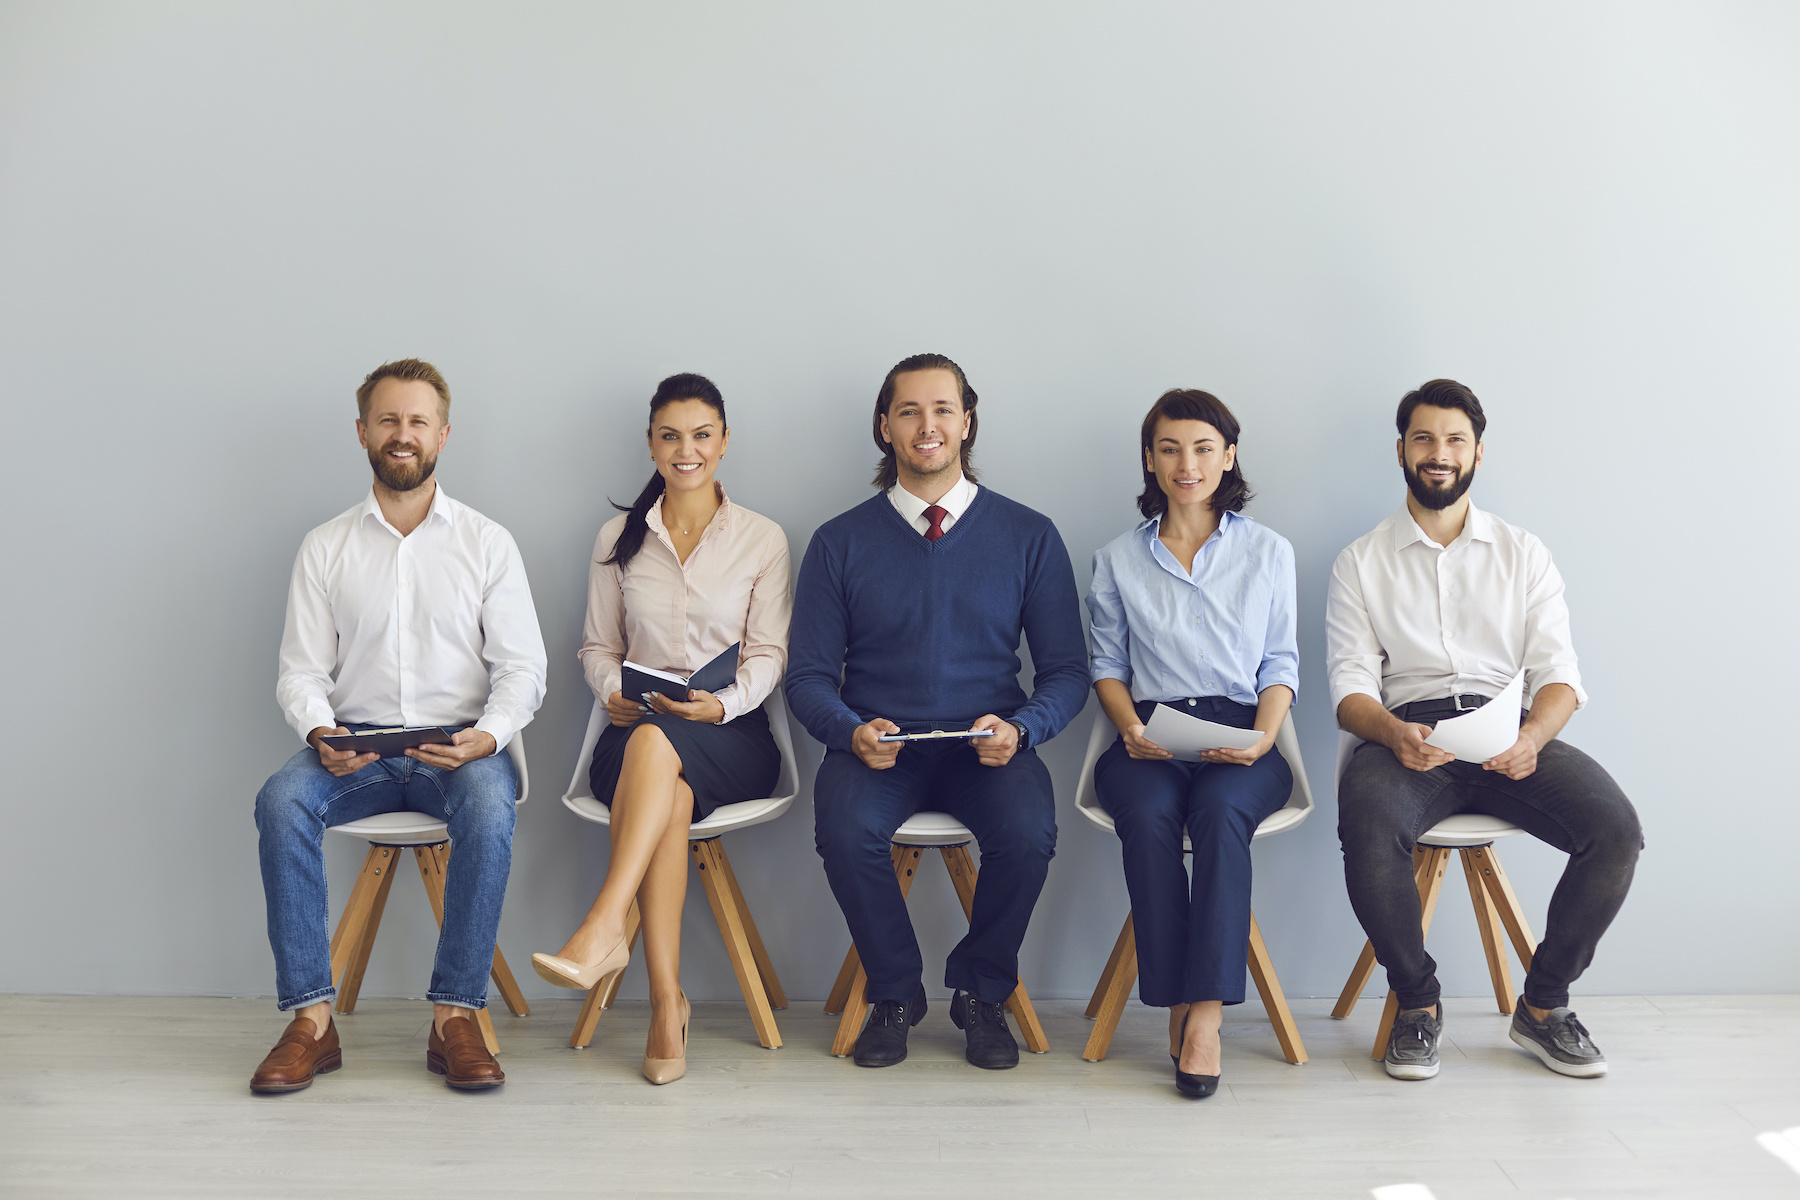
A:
{"x":1569,"y":801}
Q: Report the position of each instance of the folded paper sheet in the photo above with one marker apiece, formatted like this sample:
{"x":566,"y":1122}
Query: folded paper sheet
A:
{"x":1185,"y":737}
{"x":1489,"y":730}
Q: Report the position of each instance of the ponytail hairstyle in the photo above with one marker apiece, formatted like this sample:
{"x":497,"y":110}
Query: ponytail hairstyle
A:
{"x":637,"y":523}
{"x":1191,"y":404}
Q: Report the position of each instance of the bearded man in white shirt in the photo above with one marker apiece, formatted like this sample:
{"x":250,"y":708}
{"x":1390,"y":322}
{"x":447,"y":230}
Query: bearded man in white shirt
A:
{"x":409,"y":610}
{"x":1430,"y":615}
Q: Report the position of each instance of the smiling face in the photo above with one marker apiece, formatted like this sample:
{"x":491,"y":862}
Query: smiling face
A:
{"x":1439,"y":455}
{"x":1188,"y":458}
{"x":687,"y":438}
{"x":926,"y":426}
{"x":403,"y":432}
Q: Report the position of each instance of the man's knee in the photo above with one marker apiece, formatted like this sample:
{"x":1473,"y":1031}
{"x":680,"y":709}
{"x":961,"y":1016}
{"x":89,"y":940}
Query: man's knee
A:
{"x":485,"y":795}
{"x":286,"y":800}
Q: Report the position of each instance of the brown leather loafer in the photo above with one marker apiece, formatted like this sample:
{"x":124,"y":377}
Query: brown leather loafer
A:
{"x":461,"y":1057}
{"x":297,"y":1057}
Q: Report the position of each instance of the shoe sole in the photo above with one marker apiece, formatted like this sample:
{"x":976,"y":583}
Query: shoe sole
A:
{"x":1410,"y":1073}
{"x":1572,"y":1070}
{"x":324,"y":1066}
{"x":435,"y":1065}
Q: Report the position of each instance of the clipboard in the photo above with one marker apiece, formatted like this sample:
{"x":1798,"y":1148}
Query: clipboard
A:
{"x":389,"y":743}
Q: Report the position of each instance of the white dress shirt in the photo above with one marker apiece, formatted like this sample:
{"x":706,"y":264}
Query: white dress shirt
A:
{"x":1407,"y":619}
{"x":955,"y":502}
{"x":673,"y":616}
{"x":433,"y":628}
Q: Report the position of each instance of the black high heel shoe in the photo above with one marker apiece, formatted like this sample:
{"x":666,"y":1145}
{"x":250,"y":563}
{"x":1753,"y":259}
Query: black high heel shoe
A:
{"x":1197,"y":1087}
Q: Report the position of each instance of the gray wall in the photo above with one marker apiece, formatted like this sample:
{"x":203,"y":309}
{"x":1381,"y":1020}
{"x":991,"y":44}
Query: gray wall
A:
{"x":215,"y":218}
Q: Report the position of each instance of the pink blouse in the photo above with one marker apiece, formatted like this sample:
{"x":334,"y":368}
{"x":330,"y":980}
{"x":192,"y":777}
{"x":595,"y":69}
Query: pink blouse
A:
{"x":660,"y":612}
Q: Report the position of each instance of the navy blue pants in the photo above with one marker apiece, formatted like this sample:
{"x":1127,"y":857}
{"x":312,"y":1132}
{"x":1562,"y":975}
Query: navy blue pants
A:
{"x":1011,"y":810}
{"x":1192,"y":942}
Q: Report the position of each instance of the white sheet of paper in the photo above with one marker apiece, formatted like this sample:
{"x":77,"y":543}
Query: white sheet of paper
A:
{"x":1489,"y":730}
{"x":1185,"y":737}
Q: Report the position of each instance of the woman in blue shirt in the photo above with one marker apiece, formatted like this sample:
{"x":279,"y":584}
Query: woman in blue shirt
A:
{"x":1193,"y":608}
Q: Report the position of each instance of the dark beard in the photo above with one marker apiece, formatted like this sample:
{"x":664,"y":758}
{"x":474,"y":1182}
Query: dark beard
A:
{"x":397,"y":478}
{"x":1436,"y":498}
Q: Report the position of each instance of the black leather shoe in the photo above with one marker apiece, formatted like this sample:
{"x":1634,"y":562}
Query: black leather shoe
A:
{"x":991,"y":1043}
{"x":883,"y":1040}
{"x":1197,"y":1087}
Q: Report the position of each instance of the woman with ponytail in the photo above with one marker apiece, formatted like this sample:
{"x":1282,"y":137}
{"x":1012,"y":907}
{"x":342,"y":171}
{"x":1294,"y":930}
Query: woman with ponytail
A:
{"x":679,"y":579}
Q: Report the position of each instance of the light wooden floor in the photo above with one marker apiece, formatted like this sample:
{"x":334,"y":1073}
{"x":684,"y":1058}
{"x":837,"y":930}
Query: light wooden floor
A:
{"x":128,"y":1098}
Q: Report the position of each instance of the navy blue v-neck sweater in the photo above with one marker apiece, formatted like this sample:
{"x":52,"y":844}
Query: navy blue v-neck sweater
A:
{"x":925,"y":633}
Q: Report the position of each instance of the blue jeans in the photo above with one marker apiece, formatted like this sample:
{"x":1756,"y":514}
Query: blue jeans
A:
{"x":297,"y":804}
{"x":1192,"y":941}
{"x":1011,"y":810}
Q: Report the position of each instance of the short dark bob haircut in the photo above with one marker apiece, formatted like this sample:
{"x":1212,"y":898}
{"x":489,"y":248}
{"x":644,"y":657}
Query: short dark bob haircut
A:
{"x":1441,"y":393}
{"x":887,"y":471}
{"x":1191,"y":404}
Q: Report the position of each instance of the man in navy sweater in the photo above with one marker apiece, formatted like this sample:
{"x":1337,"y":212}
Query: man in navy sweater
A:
{"x":915,"y":600}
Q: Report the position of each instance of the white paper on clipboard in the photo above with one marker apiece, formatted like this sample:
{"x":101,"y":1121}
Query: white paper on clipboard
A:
{"x":1489,"y":730}
{"x":1185,"y":737}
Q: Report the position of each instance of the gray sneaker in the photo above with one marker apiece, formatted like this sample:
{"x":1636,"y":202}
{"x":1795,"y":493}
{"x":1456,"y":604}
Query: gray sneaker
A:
{"x":1561,"y":1041}
{"x":1412,"y":1051}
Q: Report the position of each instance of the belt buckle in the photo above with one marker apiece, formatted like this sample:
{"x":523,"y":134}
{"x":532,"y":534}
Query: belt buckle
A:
{"x":1457,"y":702}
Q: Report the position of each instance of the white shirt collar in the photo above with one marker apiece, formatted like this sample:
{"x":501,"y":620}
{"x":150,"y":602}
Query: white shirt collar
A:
{"x":955,"y":502}
{"x":441,"y":507}
{"x":1477,"y":526}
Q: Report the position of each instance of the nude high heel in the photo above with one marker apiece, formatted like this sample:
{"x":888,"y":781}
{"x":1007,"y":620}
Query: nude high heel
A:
{"x":564,"y":972}
{"x":668,"y":1070}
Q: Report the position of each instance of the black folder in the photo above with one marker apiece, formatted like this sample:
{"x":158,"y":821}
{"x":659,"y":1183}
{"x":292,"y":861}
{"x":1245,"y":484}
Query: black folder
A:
{"x":389,"y":743}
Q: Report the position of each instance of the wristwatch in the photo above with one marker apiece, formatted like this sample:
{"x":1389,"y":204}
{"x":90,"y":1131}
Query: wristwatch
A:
{"x":1024,"y":738}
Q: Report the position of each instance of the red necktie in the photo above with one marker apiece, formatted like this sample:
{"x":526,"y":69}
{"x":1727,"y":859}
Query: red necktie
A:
{"x":935,"y":514}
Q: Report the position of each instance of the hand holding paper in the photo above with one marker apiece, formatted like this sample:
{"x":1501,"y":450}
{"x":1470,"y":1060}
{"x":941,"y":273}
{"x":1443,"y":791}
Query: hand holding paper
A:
{"x":1490,"y":730}
{"x":1188,"y":737}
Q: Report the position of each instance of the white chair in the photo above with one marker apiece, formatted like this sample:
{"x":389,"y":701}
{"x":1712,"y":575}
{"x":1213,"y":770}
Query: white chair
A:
{"x":1114,"y":988}
{"x":388,"y":833}
{"x":743,"y":944}
{"x":1473,"y":835}
{"x":918,"y":833}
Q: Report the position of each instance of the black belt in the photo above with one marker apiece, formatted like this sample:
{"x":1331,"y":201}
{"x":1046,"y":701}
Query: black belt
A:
{"x":1440,"y":710}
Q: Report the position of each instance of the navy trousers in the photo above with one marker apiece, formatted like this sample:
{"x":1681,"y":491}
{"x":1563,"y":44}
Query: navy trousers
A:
{"x":1192,"y":942}
{"x":1011,"y":810}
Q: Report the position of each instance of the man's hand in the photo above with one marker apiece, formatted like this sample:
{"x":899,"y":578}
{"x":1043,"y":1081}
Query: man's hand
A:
{"x":466,"y":746}
{"x":338,"y":762}
{"x":1408,"y":744}
{"x":700,"y":706}
{"x":1518,"y":762}
{"x":1139,"y":746}
{"x":625,"y":710}
{"x":1241,"y":758}
{"x":998,"y":750}
{"x":876,"y":755}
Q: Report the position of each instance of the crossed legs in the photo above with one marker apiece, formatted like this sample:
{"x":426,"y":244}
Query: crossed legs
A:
{"x":651,"y":810}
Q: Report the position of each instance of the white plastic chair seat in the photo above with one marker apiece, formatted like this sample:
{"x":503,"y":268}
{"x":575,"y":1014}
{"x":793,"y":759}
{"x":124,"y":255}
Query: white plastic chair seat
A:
{"x":932,"y":829}
{"x":1299,"y":803}
{"x":1464,"y":829}
{"x":418,"y":829}
{"x":581,"y":801}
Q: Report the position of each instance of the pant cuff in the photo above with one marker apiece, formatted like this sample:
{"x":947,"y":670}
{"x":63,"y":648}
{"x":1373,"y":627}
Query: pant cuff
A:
{"x":314,"y":997}
{"x":455,"y":1001}
{"x":1419,"y":999}
{"x":1553,"y":1000}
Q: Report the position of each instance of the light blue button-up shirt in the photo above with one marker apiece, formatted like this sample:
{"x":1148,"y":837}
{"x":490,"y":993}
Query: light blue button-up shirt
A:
{"x":1225,"y":629}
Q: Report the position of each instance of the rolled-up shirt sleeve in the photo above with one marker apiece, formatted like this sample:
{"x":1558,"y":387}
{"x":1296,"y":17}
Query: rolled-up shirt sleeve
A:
{"x":1549,"y":650}
{"x":602,"y":651}
{"x":512,"y":644}
{"x":1107,"y":628}
{"x":1281,"y":647}
{"x":309,"y":645}
{"x":1353,"y":653}
{"x":762,"y":659}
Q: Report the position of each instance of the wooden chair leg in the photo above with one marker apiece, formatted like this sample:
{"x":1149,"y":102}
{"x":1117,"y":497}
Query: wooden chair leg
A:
{"x":737,"y":942}
{"x":353,"y":921}
{"x":1488,"y":921}
{"x":380,"y":864}
{"x":434,"y":864}
{"x":1262,"y":970}
{"x":1365,"y":962}
{"x":764,"y":966}
{"x":1126,"y":935}
{"x":856,"y":999}
{"x":634,"y":925}
{"x":962,"y":876}
{"x":600,"y":997}
{"x":1110,"y":997}
{"x":1499,"y":887}
{"x":1436,"y":860}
